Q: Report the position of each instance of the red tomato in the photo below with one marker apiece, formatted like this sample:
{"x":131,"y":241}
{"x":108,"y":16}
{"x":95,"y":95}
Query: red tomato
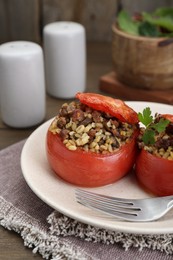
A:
{"x":168,"y":116}
{"x":115,"y":107}
{"x":89,"y":169}
{"x":154,"y":173}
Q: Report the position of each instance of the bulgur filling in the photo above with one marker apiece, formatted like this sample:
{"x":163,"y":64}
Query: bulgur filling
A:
{"x":81,"y":127}
{"x":163,"y":146}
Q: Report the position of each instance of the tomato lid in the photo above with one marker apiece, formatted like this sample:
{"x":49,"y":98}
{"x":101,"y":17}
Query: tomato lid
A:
{"x":115,"y":107}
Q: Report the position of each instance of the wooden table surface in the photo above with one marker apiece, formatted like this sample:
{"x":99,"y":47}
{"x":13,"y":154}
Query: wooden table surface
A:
{"x":98,"y":63}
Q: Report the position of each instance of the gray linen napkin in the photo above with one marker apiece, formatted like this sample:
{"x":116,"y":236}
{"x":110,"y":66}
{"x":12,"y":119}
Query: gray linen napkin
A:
{"x":56,"y":236}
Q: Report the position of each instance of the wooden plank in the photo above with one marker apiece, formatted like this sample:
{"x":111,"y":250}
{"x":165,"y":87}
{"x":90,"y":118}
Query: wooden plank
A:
{"x":96,"y":16}
{"x":143,"y":5}
{"x":57,"y":10}
{"x":20,"y":20}
{"x":3,"y":22}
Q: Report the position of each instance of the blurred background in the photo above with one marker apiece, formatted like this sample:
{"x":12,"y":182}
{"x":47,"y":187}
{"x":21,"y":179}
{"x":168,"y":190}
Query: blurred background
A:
{"x":25,"y":19}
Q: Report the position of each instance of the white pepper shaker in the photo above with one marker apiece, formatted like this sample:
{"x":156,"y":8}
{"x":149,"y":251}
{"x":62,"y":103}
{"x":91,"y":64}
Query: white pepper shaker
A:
{"x":22,"y":88}
{"x":65,"y":58}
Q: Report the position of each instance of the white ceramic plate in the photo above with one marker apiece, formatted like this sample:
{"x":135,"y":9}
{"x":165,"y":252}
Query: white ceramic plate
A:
{"x":61,"y":195}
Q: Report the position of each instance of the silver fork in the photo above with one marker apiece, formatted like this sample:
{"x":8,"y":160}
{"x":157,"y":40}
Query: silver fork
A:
{"x":136,"y":210}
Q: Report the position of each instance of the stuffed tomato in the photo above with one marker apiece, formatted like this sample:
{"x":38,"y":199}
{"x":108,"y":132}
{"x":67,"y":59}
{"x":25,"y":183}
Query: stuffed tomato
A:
{"x":154,"y":165}
{"x":92,"y":141}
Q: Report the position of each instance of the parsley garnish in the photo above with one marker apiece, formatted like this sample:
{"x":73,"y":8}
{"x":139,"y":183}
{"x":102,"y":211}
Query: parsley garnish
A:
{"x":151,"y":127}
{"x":145,"y":117}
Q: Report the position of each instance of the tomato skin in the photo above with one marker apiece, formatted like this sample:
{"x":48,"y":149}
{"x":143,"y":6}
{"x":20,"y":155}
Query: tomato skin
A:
{"x":168,"y":117}
{"x":155,"y":173}
{"x":115,"y":107}
{"x":89,"y":169}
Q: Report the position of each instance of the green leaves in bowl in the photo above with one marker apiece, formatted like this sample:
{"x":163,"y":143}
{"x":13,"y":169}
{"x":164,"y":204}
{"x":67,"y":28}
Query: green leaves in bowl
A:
{"x":156,"y":24}
{"x":127,"y":24}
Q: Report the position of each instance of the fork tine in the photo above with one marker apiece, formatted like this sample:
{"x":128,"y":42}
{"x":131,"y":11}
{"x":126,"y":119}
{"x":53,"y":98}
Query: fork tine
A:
{"x":117,"y":207}
{"x":120,"y":215}
{"x":122,"y":201}
{"x":112,"y":206}
{"x":103,"y":202}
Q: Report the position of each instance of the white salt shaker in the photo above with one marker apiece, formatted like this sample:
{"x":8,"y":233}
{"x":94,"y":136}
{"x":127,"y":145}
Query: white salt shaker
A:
{"x":22,"y":87}
{"x":65,"y":58}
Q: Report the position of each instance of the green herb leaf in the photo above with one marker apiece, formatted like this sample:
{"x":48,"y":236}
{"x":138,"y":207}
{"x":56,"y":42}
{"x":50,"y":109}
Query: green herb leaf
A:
{"x":163,"y":11}
{"x":148,"y":137}
{"x":151,"y":126}
{"x":145,"y":117}
{"x":165,"y":22}
{"x":126,"y":23}
{"x":161,"y":125}
{"x":148,"y":29}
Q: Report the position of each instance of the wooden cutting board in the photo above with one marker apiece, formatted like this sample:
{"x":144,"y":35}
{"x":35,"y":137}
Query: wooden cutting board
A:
{"x":109,"y":83}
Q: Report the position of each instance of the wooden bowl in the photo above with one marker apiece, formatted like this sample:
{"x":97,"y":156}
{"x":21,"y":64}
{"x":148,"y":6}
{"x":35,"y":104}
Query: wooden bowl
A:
{"x":142,"y":62}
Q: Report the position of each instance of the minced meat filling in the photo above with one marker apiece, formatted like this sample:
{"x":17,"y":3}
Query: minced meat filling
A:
{"x":82,"y":127}
{"x":163,"y":146}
